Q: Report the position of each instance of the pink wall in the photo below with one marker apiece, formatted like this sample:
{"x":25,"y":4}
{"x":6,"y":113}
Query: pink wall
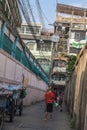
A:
{"x":12,"y":71}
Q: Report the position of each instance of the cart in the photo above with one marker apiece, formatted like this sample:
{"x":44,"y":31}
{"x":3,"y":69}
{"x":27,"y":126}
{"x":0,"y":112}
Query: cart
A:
{"x":3,"y":104}
{"x":11,"y":102}
{"x":18,"y":102}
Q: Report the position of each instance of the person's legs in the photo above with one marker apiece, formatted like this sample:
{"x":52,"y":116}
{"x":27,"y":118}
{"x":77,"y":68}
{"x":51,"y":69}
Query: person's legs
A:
{"x":46,"y":112}
{"x":46,"y":115}
{"x":51,"y":115}
{"x":61,"y":108}
{"x":51,"y":111}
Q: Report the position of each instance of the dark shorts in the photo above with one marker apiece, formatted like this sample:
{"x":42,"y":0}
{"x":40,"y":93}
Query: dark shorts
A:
{"x":60,"y":102}
{"x":49,"y":107}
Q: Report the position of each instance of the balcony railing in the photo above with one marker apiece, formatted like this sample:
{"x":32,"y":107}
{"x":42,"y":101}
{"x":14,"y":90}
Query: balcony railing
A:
{"x":58,"y":69}
{"x":69,"y":20}
{"x":56,"y":82}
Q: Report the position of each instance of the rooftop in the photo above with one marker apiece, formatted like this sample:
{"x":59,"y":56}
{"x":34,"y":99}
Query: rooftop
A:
{"x":68,"y":9}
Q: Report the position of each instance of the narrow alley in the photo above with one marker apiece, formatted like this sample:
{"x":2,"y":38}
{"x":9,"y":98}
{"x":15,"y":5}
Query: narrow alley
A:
{"x":33,"y":119}
{"x":43,"y":56}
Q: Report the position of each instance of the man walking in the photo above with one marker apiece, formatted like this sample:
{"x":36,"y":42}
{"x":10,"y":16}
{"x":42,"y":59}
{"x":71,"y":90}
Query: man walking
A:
{"x":49,"y":100}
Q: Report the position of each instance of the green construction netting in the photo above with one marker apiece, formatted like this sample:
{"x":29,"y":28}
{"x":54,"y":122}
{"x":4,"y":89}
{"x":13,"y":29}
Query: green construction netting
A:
{"x":18,"y":54}
{"x":7,"y":44}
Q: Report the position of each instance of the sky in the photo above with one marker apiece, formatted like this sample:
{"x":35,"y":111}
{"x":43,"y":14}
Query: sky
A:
{"x":49,"y":9}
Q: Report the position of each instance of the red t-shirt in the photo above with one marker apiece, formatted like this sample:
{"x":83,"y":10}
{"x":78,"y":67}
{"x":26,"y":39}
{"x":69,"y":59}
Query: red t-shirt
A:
{"x":49,"y":97}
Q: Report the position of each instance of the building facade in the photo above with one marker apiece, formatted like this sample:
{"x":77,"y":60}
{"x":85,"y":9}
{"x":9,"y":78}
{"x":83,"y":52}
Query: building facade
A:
{"x":70,"y":26}
{"x":39,"y":43}
{"x":10,"y":40}
{"x":59,"y":72}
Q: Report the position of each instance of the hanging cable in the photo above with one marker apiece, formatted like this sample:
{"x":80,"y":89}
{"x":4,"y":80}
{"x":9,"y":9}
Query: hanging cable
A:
{"x":40,"y":13}
{"x":25,"y":10}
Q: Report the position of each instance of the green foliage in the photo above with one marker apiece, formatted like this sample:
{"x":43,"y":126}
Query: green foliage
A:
{"x":71,"y":62}
{"x":73,"y":123}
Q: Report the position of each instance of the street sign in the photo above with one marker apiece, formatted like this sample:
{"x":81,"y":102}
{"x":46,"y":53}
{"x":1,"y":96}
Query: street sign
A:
{"x":55,"y":38}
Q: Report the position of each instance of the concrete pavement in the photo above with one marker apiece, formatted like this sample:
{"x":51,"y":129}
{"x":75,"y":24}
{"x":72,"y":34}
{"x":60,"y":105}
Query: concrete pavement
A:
{"x":33,"y":119}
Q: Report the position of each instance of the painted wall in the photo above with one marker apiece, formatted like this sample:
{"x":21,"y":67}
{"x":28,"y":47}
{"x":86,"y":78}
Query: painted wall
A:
{"x":12,"y":72}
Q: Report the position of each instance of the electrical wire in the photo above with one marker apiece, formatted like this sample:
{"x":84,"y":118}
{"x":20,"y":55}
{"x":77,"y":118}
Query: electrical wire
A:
{"x":40,"y":13}
{"x":26,"y":8}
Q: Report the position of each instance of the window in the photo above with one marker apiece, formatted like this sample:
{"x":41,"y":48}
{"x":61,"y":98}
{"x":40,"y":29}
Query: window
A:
{"x":36,"y":29}
{"x":21,"y":30}
{"x":44,"y":47}
{"x":28,"y":30}
{"x":33,"y":30}
{"x":30,"y":46}
{"x":38,"y":46}
{"x":55,"y":63}
{"x":77,"y":36}
{"x":72,"y":35}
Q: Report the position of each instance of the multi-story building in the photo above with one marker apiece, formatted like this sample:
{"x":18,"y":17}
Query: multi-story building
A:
{"x":38,"y":42}
{"x":70,"y":25}
{"x":13,"y":47}
{"x":59,"y":72}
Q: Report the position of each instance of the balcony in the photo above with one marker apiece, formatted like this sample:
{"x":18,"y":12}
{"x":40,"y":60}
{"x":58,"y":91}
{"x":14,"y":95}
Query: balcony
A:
{"x":69,"y":20}
{"x":58,"y":69}
{"x":56,"y":82}
{"x":78,"y":27}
